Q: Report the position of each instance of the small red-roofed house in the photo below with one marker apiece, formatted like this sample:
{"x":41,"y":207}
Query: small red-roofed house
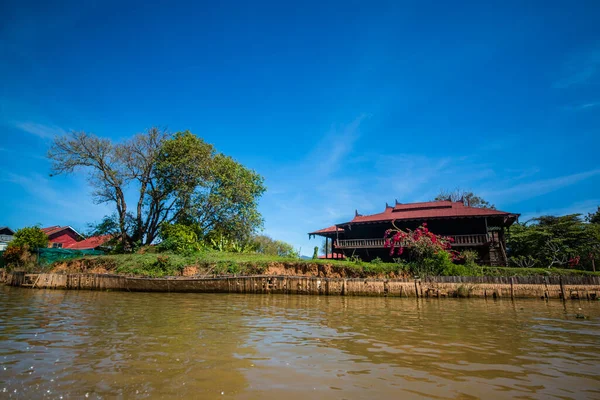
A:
{"x":473,"y":228}
{"x":61,"y":236}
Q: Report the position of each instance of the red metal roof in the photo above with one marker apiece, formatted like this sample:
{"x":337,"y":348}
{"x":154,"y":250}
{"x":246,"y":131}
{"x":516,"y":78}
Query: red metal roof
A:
{"x":52,"y":229}
{"x":90,"y":243}
{"x":331,"y":229}
{"x":430,"y":209}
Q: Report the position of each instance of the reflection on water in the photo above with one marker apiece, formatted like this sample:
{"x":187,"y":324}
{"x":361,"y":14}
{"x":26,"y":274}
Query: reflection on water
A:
{"x":73,"y":344}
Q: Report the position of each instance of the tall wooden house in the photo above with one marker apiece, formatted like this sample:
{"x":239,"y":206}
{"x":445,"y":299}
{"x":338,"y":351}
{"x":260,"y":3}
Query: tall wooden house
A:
{"x":479,"y":229}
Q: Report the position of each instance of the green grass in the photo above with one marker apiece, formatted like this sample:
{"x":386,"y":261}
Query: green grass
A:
{"x":210,"y":263}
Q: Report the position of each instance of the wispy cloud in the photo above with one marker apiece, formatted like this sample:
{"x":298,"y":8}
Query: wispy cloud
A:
{"x":583,"y":106}
{"x":43,"y":131}
{"x":582,"y":67}
{"x":339,"y":176}
{"x":335,"y":147}
{"x":588,"y":105}
{"x":73,"y":205}
{"x":524,"y":191}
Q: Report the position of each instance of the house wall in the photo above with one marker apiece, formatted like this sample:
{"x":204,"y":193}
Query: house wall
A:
{"x":66,"y":237}
{"x":6,"y":236}
{"x":459,"y":226}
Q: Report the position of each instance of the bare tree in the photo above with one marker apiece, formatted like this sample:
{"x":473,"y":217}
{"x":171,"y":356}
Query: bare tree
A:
{"x":140,"y":155}
{"x":467,"y":198}
{"x":112,"y":168}
{"x":523,"y":262}
{"x":104,"y":159}
{"x":558,"y":257}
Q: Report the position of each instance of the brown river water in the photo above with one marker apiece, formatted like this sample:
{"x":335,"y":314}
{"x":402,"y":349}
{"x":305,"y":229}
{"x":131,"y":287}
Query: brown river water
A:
{"x":70,"y":344}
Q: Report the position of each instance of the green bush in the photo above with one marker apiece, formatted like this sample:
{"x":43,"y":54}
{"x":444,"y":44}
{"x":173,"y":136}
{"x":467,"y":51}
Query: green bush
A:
{"x":434,"y":264}
{"x":179,"y":238}
{"x":32,"y":237}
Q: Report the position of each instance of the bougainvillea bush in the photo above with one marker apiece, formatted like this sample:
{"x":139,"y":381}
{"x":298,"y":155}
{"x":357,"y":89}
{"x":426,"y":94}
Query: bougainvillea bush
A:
{"x":426,"y":252}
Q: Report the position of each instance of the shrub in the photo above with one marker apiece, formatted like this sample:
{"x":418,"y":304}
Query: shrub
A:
{"x":18,"y":257}
{"x":32,"y":237}
{"x":435,"y":264}
{"x":179,"y":238}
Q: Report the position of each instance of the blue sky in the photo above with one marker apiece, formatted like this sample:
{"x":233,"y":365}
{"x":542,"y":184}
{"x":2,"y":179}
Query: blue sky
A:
{"x":340,"y":105}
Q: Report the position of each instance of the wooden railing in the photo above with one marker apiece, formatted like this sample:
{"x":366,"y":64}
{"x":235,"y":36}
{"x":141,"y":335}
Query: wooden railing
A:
{"x":470,"y":240}
{"x":359,"y":243}
{"x":459,"y":240}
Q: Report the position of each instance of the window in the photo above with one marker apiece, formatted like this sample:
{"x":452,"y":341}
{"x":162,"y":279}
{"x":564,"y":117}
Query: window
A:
{"x":57,"y":245}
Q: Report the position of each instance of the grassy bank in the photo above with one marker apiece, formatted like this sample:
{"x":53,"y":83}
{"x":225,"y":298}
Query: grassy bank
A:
{"x":206,"y":264}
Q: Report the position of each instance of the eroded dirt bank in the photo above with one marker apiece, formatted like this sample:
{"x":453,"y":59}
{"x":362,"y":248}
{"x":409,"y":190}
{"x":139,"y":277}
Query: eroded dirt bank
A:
{"x":486,"y":287}
{"x":205,"y":269}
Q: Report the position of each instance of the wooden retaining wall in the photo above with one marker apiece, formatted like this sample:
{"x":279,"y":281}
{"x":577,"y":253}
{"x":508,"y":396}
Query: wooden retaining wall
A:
{"x":574,"y":287}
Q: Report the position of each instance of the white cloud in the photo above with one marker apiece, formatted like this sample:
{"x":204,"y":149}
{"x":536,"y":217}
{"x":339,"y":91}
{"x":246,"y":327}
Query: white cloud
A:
{"x":338,"y":178}
{"x":73,"y":205}
{"x":589,"y":105}
{"x":40,"y":130}
{"x":540,"y":187}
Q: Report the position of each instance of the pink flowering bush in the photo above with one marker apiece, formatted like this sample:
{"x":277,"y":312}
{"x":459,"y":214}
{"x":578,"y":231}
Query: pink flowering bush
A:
{"x":420,"y":243}
{"x":428,"y":253}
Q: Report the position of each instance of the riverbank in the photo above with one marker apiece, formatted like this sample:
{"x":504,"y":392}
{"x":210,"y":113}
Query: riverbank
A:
{"x":214,"y":264}
{"x":559,"y":287}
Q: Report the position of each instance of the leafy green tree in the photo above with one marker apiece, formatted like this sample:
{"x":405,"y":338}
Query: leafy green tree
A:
{"x":178,"y":178}
{"x":109,"y":225}
{"x":468,"y":198}
{"x":32,"y":237}
{"x":218,"y":195}
{"x":594,"y":218}
{"x":268,"y":246}
{"x":549,"y":241}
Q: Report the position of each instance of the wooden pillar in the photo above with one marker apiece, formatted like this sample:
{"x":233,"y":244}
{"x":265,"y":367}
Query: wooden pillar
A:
{"x":326,"y":246}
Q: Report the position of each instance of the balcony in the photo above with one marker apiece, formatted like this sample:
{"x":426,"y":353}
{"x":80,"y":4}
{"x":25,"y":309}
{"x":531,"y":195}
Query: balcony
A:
{"x":459,"y":241}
